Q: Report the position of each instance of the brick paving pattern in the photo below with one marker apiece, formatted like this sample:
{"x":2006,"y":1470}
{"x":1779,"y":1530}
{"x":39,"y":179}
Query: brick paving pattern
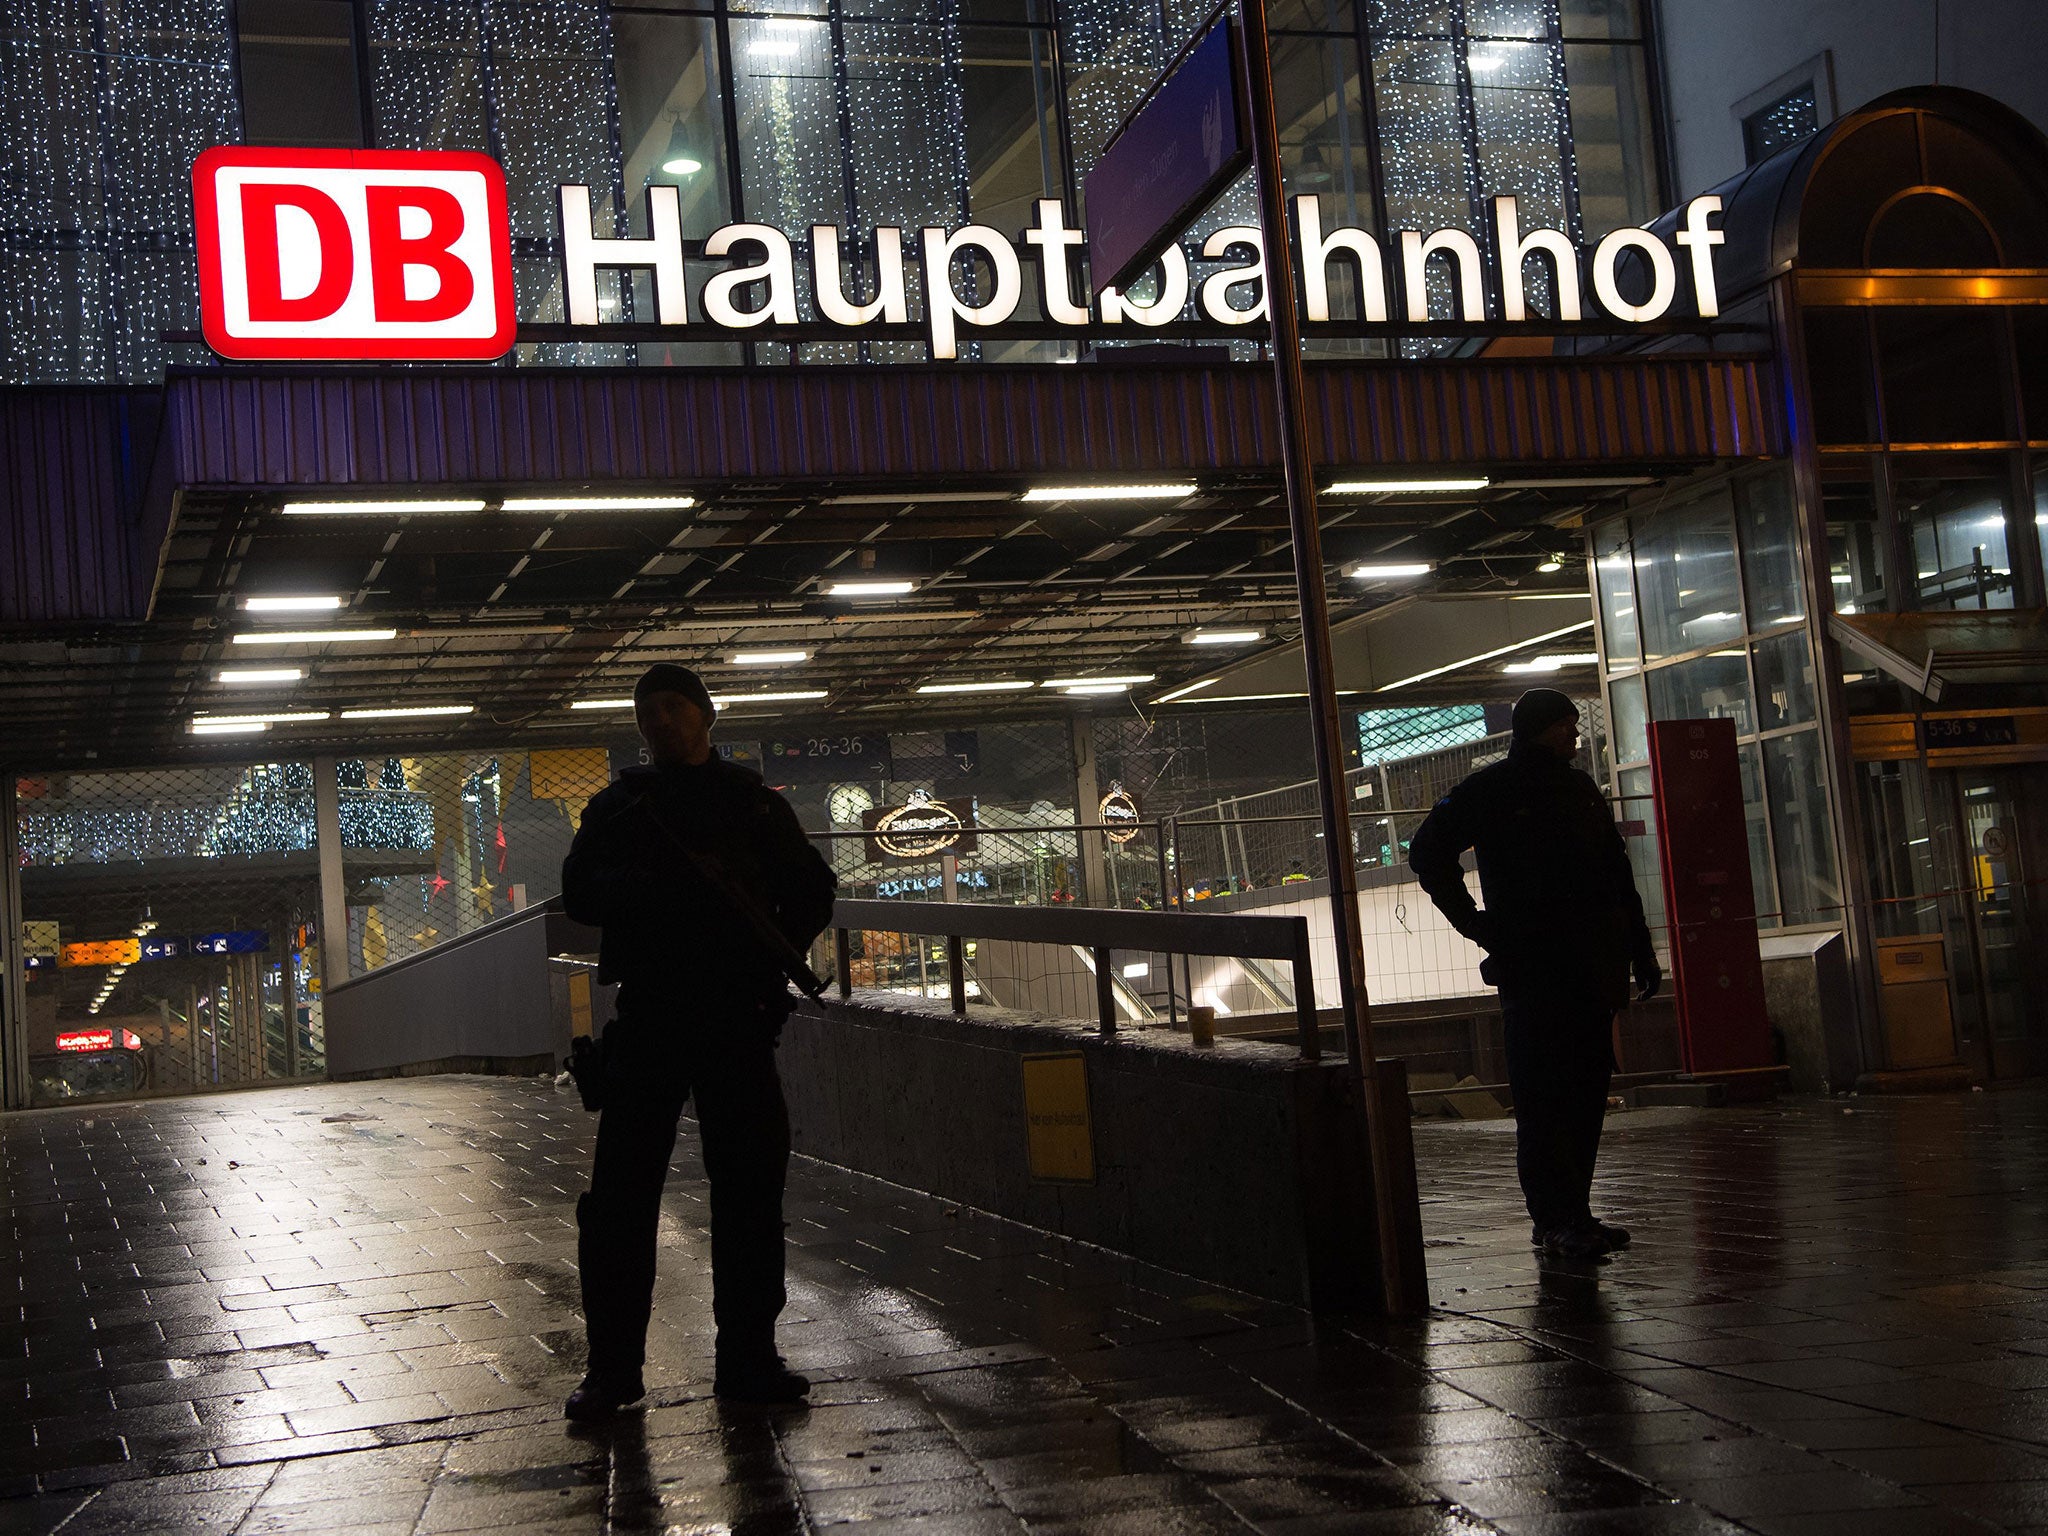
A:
{"x":351,"y":1307}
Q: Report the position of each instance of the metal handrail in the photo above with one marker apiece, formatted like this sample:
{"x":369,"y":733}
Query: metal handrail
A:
{"x":1097,"y":929}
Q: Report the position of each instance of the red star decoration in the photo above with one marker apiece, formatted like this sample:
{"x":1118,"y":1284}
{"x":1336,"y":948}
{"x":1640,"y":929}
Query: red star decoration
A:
{"x":438,"y":884}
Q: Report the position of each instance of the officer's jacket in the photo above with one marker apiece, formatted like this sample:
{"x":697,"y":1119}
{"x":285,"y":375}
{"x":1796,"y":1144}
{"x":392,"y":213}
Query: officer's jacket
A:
{"x":663,"y":930}
{"x":1562,"y":912}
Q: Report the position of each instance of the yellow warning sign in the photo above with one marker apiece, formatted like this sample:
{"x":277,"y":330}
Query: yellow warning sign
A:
{"x":1060,"y":1139}
{"x":579,"y":1003}
{"x":572,"y":773}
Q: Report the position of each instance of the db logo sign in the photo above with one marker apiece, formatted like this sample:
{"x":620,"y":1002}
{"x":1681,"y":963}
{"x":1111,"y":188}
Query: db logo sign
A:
{"x":353,"y":254}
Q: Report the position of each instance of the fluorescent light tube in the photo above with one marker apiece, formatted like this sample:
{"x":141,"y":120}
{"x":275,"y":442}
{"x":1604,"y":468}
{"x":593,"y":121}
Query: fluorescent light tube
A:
{"x":1181,"y":693}
{"x":311,"y":636}
{"x":1125,"y":680}
{"x":213,"y":728}
{"x":1388,"y":572}
{"x":1224,"y":636}
{"x":728,"y":700}
{"x":597,"y":503}
{"x":293,"y":717}
{"x":1380,"y":487}
{"x":870,"y":588}
{"x":259,"y":675}
{"x":368,"y":508}
{"x":1097,"y":688}
{"x":1111,"y":492}
{"x":1493,"y":655}
{"x":1005,"y":685}
{"x":767,"y":658}
{"x":896,"y":498}
{"x":602,"y":704}
{"x":397,"y":711}
{"x":315,"y":603}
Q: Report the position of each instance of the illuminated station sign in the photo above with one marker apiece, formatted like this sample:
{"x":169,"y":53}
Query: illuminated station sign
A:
{"x":393,"y":254}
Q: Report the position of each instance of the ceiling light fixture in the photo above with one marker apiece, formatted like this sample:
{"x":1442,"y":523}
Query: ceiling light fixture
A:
{"x":307,"y":603}
{"x":1123,"y":680}
{"x":1181,"y":693}
{"x":259,"y":675}
{"x":312,"y":636}
{"x":597,"y":503}
{"x":374,"y":508}
{"x":1551,"y":566}
{"x":399,"y":711}
{"x":1171,"y":492}
{"x":1420,"y":487}
{"x":1390,"y":572}
{"x":225,"y":722}
{"x":767,"y":658}
{"x":897,"y":498}
{"x":994,"y":685}
{"x":1087,"y":688}
{"x":1556,"y":663}
{"x":1223,"y":636}
{"x":602,"y":704}
{"x":870,"y":588}
{"x":216,"y":728}
{"x":729,"y":700}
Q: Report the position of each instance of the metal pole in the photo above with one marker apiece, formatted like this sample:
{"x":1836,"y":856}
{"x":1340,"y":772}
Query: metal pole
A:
{"x":333,"y":885}
{"x":1397,"y":1287}
{"x":14,"y":1078}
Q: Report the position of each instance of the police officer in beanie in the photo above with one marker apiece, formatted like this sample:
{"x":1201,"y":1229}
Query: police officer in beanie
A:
{"x":1562,"y":929}
{"x":701,"y":1002}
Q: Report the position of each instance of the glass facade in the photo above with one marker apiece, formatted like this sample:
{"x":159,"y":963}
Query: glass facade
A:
{"x":859,"y":113}
{"x":1700,"y":612}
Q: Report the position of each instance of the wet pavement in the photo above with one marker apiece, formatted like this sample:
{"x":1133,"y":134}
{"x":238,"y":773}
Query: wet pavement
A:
{"x":351,"y":1307}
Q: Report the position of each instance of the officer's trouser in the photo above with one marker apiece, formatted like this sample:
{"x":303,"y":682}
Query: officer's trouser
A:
{"x":655,"y":1059}
{"x":1560,"y":1065}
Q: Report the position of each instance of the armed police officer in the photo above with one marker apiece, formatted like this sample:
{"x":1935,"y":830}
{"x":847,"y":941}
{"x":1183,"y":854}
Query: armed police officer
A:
{"x":671,"y":861}
{"x":1562,"y":929}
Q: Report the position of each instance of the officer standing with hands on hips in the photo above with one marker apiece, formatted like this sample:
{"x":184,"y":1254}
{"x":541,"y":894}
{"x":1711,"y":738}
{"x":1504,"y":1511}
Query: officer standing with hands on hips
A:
{"x":669,"y":862}
{"x":1562,"y":929}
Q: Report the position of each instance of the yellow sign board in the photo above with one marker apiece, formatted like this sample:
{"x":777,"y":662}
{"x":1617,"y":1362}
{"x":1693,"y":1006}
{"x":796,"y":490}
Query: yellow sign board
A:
{"x":573,"y":773}
{"x":1059,"y":1136}
{"x":101,"y":952}
{"x":579,"y":1003}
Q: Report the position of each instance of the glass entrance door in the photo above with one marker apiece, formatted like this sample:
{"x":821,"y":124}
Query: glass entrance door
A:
{"x":2003,"y":854}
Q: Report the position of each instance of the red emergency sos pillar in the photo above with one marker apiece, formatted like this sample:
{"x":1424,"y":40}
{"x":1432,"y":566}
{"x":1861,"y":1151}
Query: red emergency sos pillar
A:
{"x":1717,"y":971}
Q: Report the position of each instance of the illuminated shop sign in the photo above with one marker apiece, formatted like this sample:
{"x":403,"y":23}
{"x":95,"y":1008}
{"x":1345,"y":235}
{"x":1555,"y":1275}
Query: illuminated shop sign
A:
{"x":918,"y":830}
{"x":1119,"y":809}
{"x":913,"y":885}
{"x":99,"y":1040}
{"x":353,"y":254}
{"x":398,"y":254}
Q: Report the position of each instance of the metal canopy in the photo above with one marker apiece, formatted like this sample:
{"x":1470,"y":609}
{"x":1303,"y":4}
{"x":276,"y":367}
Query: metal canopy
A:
{"x":799,"y":478}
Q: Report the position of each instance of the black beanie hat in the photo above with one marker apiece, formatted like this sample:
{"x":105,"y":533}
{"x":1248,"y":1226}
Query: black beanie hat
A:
{"x":1539,"y":709}
{"x":668,"y":677}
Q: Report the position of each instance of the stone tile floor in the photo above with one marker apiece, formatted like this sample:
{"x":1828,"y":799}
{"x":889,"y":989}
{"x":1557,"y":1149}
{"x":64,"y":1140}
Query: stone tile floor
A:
{"x":351,"y":1307}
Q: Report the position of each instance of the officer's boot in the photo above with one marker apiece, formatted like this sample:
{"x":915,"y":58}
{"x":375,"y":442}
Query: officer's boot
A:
{"x":615,"y":1307}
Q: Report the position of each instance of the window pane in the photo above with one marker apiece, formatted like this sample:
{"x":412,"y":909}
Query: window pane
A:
{"x":671,"y":115}
{"x":551,"y":70}
{"x":1756,"y":817}
{"x":1785,"y":121}
{"x":1011,"y":97}
{"x":1945,"y":374}
{"x":1507,"y":18}
{"x":426,"y":72}
{"x":1709,"y":687}
{"x":1856,"y":554}
{"x":1958,"y":528}
{"x":1686,"y":576}
{"x":792,"y":161}
{"x":1637,"y":804}
{"x":1838,"y":375}
{"x":1613,"y":137}
{"x":1631,"y":704}
{"x":1323,"y":143}
{"x":1804,"y":839}
{"x":1614,"y":567}
{"x":1518,"y":112}
{"x":1415,"y":93}
{"x":1784,"y":681}
{"x":2041,"y":505}
{"x":1600,"y":18}
{"x":299,"y":73}
{"x":1770,"y":548}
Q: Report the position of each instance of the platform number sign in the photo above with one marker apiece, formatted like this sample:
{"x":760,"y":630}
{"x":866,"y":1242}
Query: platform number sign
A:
{"x":820,"y":759}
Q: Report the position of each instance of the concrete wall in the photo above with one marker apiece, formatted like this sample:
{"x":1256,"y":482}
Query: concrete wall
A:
{"x":481,"y":1003}
{"x":1717,"y":56}
{"x":1233,"y":1164}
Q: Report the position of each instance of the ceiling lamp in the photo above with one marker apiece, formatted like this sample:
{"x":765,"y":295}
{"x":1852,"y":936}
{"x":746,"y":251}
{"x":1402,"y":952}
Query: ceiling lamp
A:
{"x":306,"y":603}
{"x":380,"y":508}
{"x":241,"y":675}
{"x":993,"y":685}
{"x":870,"y":588}
{"x":678,"y":159}
{"x":1390,"y":572}
{"x":311,"y":636}
{"x":1223,"y":636}
{"x":401,"y":711}
{"x":1423,"y":487}
{"x":1173,"y":492}
{"x":596,"y":503}
{"x":767,"y":658}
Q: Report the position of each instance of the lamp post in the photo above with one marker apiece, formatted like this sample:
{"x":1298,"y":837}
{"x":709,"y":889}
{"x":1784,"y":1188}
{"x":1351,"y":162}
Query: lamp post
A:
{"x":1403,"y":1285}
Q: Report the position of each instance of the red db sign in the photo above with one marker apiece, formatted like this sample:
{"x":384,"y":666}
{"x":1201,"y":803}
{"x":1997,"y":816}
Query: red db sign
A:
{"x":353,"y":254}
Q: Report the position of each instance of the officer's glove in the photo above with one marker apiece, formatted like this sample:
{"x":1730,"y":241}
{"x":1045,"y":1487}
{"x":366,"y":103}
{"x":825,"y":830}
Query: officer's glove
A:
{"x":1649,"y":976}
{"x":1482,"y":929}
